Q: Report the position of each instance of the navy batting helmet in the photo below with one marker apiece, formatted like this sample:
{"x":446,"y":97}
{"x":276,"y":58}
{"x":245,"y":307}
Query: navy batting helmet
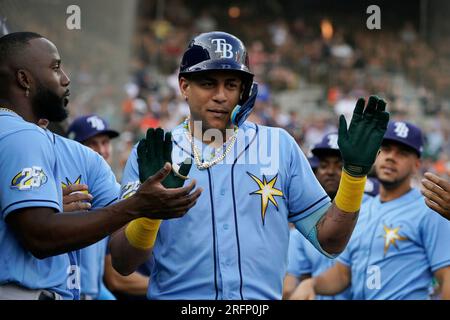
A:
{"x":221,"y":51}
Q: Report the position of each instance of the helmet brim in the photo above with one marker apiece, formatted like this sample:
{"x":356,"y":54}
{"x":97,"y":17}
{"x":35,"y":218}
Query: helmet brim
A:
{"x":216,"y":65}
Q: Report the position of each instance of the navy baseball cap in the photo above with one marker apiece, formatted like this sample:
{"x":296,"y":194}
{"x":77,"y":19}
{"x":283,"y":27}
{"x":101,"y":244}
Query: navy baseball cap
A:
{"x":313,"y":162}
{"x":328,"y":145}
{"x":405,"y":133}
{"x":85,"y":127}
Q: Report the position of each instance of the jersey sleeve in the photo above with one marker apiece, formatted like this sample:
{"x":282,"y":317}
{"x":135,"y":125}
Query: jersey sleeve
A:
{"x":435,"y":234}
{"x":104,"y":186}
{"x":130,"y":177}
{"x":306,"y":195}
{"x":298,"y":262}
{"x":28,"y":167}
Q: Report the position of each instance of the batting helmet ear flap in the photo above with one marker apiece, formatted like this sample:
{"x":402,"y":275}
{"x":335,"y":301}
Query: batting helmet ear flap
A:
{"x":247,"y":84}
{"x":241,"y":112}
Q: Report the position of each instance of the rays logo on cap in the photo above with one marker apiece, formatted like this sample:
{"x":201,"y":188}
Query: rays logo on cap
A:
{"x":223,"y":47}
{"x":333,"y":141}
{"x":401,"y":129}
{"x":96,"y":123}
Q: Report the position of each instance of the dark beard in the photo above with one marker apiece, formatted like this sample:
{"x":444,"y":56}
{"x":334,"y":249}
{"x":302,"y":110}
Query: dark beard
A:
{"x":391,"y":185}
{"x":48,"y":105}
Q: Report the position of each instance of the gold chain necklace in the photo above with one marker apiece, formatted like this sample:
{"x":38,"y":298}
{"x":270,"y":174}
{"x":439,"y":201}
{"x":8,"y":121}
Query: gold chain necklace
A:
{"x":202,"y":165}
{"x":6,"y":110}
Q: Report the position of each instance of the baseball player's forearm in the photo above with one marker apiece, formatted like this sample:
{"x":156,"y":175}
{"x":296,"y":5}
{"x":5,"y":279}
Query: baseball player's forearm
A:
{"x":333,"y":281}
{"x":289,"y":285}
{"x":125,"y":257}
{"x":291,"y":282}
{"x":335,"y":228}
{"x":45,"y":233}
{"x":443,"y":277}
{"x":134,"y":284}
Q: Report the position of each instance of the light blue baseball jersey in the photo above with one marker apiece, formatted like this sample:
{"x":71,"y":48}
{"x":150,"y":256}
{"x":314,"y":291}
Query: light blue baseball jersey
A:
{"x":30,"y":178}
{"x":395,"y":248}
{"x":233,"y":243}
{"x":81,"y":165}
{"x":305,"y":259}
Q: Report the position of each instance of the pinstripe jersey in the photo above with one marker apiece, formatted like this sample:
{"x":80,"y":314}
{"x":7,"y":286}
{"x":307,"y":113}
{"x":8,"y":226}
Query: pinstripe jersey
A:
{"x":30,"y":178}
{"x":395,"y":249}
{"x":233,"y":243}
{"x":81,"y":165}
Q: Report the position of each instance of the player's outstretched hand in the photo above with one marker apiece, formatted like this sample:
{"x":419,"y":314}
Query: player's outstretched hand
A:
{"x":153,"y":152}
{"x":437,"y":194}
{"x":359,"y":144}
{"x":162,"y":190}
{"x":155,"y":201}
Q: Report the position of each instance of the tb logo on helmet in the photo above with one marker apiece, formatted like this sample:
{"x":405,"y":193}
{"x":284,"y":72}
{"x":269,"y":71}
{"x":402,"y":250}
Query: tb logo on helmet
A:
{"x":223,"y":47}
{"x":401,"y":130}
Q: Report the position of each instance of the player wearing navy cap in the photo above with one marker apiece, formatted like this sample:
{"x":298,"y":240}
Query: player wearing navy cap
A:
{"x":38,"y":244}
{"x":398,"y":244}
{"x":94,"y":132}
{"x":233,"y":243}
{"x":96,"y":268}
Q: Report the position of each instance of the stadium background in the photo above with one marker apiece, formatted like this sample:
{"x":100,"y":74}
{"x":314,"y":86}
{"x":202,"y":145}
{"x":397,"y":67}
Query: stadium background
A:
{"x":311,"y":58}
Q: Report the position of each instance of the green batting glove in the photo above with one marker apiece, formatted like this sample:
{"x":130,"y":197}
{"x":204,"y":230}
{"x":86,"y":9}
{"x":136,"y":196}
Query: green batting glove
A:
{"x":153,"y":152}
{"x":359,"y":144}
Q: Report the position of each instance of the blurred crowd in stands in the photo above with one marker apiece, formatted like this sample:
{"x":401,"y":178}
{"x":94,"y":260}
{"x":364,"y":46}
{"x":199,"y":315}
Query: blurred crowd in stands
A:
{"x":345,"y":61}
{"x":338,"y":57}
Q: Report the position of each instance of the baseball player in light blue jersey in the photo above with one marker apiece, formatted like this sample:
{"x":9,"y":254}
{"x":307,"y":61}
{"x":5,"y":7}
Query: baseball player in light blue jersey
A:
{"x":38,"y":256}
{"x":398,"y":244}
{"x":233,"y":243}
{"x":30,"y":181}
{"x":94,"y":132}
{"x":304,"y":260}
{"x":79,"y":165}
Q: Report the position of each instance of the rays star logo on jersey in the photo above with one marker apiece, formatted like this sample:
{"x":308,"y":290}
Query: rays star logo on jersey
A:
{"x":77,"y":181}
{"x":29,"y":178}
{"x":267,"y":191}
{"x":390,"y":237}
{"x":129,"y":189}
